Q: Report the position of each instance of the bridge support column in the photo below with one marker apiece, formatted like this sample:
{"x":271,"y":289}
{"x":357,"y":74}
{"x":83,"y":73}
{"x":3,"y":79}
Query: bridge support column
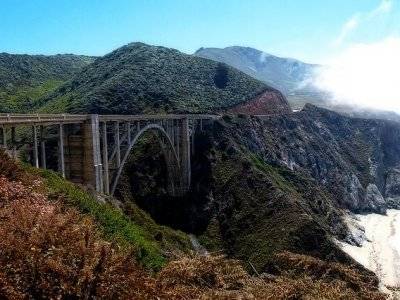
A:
{"x":61,"y":158}
{"x":4,"y":136}
{"x":42,"y":148}
{"x":35,"y":147}
{"x":105,"y":159}
{"x":92,"y":167}
{"x":185,"y":155}
{"x":117,"y":144}
{"x":13,"y":143}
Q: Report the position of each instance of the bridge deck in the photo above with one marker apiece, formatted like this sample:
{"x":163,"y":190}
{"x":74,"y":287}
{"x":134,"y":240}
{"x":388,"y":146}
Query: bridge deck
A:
{"x":49,"y":119}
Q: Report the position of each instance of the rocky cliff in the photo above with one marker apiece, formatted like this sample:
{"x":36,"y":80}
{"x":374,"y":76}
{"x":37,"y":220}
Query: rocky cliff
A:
{"x":270,"y":102}
{"x":280,"y":182}
{"x":262,"y":185}
{"x":358,"y":160}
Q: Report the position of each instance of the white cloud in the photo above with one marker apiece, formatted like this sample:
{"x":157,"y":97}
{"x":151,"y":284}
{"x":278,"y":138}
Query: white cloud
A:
{"x":385,"y":7}
{"x":347,"y":28}
{"x":365,"y":75}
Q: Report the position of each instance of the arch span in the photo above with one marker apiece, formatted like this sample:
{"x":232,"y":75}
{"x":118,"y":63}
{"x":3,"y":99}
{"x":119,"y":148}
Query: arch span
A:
{"x":171,"y":165}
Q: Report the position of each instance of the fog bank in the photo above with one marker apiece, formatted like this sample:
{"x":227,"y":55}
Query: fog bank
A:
{"x":364,"y":75}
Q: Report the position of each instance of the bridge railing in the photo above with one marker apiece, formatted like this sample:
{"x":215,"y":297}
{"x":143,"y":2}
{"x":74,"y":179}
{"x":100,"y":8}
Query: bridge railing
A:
{"x":127,"y":118}
{"x":27,"y":119}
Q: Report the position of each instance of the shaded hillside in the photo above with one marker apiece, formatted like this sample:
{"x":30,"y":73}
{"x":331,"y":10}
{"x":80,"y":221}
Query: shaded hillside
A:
{"x":265,"y":185}
{"x":139,"y":78}
{"x":287,"y":75}
{"x":26,"y":78}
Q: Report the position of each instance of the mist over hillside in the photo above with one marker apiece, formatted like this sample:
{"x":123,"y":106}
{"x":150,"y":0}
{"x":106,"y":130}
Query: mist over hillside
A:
{"x":291,"y":76}
{"x":299,"y":81}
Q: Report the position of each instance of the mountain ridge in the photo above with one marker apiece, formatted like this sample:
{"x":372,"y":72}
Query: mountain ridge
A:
{"x":140,"y":78}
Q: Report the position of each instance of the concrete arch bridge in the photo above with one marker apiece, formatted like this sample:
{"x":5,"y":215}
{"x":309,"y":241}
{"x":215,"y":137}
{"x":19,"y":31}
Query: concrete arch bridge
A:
{"x":93,"y":149}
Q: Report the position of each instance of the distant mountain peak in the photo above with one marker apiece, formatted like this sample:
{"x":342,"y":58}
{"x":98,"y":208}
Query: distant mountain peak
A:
{"x":285,"y":74}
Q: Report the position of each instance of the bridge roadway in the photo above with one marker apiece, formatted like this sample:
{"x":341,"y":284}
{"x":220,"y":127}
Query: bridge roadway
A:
{"x":93,"y":149}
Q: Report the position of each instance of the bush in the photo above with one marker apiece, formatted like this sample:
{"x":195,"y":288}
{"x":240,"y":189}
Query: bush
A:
{"x":12,"y":171}
{"x":215,"y":277}
{"x":49,"y":251}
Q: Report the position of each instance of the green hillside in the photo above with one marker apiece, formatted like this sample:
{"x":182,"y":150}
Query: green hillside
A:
{"x":26,"y":78}
{"x":138,"y":78}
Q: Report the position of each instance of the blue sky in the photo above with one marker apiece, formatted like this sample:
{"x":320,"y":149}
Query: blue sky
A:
{"x":310,"y":30}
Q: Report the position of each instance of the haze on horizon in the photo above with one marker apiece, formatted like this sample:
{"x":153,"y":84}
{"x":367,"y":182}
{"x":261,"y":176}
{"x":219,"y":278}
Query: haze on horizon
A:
{"x":356,"y":41}
{"x":364,"y":73}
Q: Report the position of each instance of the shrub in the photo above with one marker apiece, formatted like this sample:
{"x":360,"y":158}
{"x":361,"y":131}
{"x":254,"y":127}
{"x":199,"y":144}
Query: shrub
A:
{"x":215,"y":277}
{"x":49,"y":251}
{"x":11,"y":170}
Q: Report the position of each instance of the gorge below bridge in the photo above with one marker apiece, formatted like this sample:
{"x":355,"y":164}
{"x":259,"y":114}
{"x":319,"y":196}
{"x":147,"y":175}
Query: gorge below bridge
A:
{"x":93,"y":149}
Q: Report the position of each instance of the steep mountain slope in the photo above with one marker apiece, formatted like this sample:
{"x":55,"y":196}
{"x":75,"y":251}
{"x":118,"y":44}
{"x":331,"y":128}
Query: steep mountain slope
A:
{"x":288,"y":75}
{"x":355,"y":159}
{"x":276,"y":183}
{"x":26,"y":78}
{"x":139,"y":78}
{"x":284,"y":182}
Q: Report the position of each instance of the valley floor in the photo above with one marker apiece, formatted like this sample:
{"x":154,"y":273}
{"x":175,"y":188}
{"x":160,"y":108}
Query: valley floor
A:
{"x":380,"y":250}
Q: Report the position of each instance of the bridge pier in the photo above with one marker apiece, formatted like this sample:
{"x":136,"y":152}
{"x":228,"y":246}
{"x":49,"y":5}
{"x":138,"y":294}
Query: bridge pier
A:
{"x":61,"y":157}
{"x":42,"y":148}
{"x":13,"y":143}
{"x":35,"y":147}
{"x":185,"y":157}
{"x":4,"y":136}
{"x":105,"y":159}
{"x":92,"y":166}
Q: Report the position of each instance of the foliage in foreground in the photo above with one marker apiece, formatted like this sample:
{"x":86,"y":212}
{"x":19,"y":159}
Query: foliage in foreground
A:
{"x":113,"y":223}
{"x":297,"y":277}
{"x":50,"y":250}
{"x":153,"y":243}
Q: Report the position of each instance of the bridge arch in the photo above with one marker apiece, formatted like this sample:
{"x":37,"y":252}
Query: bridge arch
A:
{"x":172,"y":161}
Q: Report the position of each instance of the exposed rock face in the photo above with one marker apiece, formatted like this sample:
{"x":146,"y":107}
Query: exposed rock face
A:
{"x":392,"y":188}
{"x":374,"y":198}
{"x":357,"y":160}
{"x":270,"y":102}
